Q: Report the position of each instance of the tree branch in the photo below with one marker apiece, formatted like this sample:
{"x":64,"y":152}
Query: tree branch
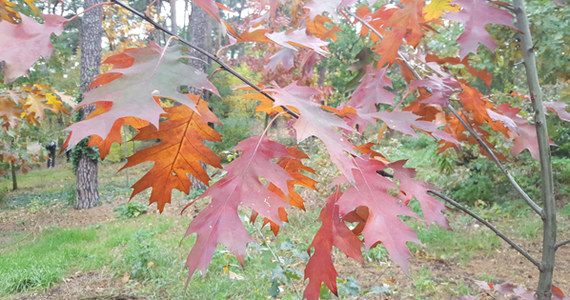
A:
{"x":566,"y":242}
{"x":513,"y":182}
{"x":490,"y":226}
{"x":547,"y":181}
{"x":204,"y":52}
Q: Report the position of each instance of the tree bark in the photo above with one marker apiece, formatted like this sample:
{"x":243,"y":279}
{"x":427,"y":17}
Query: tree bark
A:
{"x":87,"y":193}
{"x":198,"y":36}
{"x":174,"y":26}
{"x":14,"y":179}
{"x":544,"y":290}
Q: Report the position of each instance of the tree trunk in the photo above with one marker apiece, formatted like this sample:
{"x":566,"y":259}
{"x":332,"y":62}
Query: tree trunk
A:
{"x":14,"y":180}
{"x":544,"y":290}
{"x":198,"y":36}
{"x":87,"y":194}
{"x":174,"y":27}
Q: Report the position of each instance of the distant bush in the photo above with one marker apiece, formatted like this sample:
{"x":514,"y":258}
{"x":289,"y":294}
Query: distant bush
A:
{"x":131,"y":209}
{"x":234,"y":130}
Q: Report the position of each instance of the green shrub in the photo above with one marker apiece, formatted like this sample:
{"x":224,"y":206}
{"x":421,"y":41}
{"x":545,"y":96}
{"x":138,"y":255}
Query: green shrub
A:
{"x":234,"y":130}
{"x":132,"y":209}
{"x":142,"y":255}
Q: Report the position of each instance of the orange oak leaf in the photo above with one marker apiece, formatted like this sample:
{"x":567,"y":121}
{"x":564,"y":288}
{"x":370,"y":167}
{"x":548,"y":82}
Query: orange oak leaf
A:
{"x":317,"y":28}
{"x":179,"y":153}
{"x":333,"y":232}
{"x":219,"y":222}
{"x":9,"y":112}
{"x":482,"y":74}
{"x":139,"y":78}
{"x":404,"y":23}
{"x":32,"y":40}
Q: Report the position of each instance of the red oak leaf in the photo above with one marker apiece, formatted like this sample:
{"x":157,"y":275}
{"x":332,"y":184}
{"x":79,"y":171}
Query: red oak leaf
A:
{"x":219,"y":222}
{"x":405,"y":122}
{"x":441,"y":88}
{"x":140,"y":77}
{"x":179,"y":153}
{"x":21,"y":45}
{"x":409,"y":187}
{"x":284,"y":58}
{"x":313,"y":121}
{"x":382,"y":224}
{"x":331,"y":7}
{"x":333,"y":232}
{"x":299,"y":38}
{"x":211,"y":7}
{"x":559,"y":109}
{"x":475,"y":14}
{"x":524,"y":133}
{"x":371,"y":91}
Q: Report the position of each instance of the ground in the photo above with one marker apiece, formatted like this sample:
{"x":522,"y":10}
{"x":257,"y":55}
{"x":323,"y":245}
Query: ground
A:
{"x":443,"y":268}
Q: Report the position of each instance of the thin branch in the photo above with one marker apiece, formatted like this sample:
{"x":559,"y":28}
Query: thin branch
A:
{"x":490,"y":226}
{"x":513,"y":182}
{"x":566,"y":242}
{"x":277,"y":259}
{"x":205,"y":53}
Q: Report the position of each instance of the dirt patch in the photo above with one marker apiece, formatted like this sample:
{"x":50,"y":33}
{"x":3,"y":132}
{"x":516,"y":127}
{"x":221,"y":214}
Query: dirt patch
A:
{"x":88,"y":285}
{"x":58,"y":215}
{"x":504,"y":265}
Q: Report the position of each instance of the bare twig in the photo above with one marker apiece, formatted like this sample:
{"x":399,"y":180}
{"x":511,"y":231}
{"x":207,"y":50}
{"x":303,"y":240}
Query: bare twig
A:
{"x":277,"y":259}
{"x":204,"y":52}
{"x":489,"y":225}
{"x":566,"y":242}
{"x":513,"y":182}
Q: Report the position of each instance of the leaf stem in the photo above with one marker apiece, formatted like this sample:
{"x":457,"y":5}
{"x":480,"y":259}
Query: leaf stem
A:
{"x":513,"y":182}
{"x":204,"y":52}
{"x":277,"y":259}
{"x":489,"y":225}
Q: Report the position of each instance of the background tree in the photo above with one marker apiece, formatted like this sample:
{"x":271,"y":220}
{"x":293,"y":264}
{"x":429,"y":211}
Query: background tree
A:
{"x":87,"y":189}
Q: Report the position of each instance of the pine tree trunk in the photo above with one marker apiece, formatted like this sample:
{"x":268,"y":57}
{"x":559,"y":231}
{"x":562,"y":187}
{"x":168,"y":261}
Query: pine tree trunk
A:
{"x":198,"y":36}
{"x":87,"y":194}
